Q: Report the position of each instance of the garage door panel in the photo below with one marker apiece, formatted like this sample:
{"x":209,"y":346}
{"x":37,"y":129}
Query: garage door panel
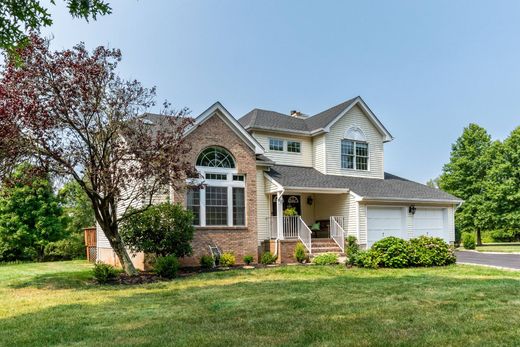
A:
{"x":384,"y":222}
{"x":430,"y":222}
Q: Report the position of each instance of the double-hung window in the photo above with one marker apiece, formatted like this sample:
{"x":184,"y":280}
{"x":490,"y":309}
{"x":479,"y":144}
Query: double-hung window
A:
{"x":293,"y":147}
{"x":354,"y":155}
{"x":221,"y":200}
{"x":276,"y":145}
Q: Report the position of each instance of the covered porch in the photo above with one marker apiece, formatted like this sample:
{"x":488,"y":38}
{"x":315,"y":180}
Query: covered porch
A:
{"x":310,"y":216}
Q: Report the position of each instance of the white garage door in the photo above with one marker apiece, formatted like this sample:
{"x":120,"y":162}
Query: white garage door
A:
{"x":384,"y":222}
{"x":431,"y":222}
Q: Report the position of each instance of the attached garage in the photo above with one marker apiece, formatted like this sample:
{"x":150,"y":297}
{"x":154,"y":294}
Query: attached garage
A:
{"x":431,"y":222}
{"x":384,"y":222}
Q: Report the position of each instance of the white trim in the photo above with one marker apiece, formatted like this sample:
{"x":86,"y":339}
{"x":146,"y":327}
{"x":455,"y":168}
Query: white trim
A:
{"x":317,"y":190}
{"x":228,"y":118}
{"x":358,"y":101}
{"x":410,"y":200}
{"x":278,"y":185}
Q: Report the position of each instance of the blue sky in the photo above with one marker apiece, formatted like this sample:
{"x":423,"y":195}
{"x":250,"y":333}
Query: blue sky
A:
{"x":427,"y":69}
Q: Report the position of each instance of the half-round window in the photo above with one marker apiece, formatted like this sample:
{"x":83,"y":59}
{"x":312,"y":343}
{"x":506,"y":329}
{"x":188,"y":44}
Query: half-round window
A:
{"x":216,"y":157}
{"x":356,"y":134}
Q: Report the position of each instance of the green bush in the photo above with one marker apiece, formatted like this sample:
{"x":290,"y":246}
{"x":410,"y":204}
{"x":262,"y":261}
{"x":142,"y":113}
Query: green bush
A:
{"x":299,"y":252}
{"x":163,"y":229}
{"x":227,"y":259}
{"x":206,"y":262}
{"x":66,"y":249}
{"x":325,"y":259}
{"x":268,"y":258}
{"x":370,"y":259}
{"x":248,"y":259}
{"x":104,"y":273}
{"x":395,"y":252}
{"x":166,"y":267}
{"x":430,"y":251}
{"x":504,"y":236}
{"x":469,"y":240}
{"x":351,"y":249}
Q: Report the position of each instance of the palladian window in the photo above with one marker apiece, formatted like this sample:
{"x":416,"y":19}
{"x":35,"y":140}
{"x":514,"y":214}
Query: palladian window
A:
{"x":221,"y":202}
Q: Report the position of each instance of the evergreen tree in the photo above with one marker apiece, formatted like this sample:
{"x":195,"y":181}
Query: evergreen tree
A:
{"x":30,"y":216}
{"x":464,"y":176}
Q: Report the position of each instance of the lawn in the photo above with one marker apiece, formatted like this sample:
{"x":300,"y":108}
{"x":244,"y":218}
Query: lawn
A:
{"x":55,"y":304}
{"x":500,"y":247}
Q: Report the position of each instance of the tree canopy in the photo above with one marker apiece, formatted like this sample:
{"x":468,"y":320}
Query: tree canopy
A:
{"x":19,"y":17}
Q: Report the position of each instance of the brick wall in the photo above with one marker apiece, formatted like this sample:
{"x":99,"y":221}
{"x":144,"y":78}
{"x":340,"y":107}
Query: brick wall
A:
{"x":239,"y":240}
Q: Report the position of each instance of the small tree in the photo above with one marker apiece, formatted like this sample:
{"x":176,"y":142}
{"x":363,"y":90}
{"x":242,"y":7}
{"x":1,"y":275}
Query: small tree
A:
{"x":164,"y":229}
{"x":69,"y":112}
{"x":30,"y":215}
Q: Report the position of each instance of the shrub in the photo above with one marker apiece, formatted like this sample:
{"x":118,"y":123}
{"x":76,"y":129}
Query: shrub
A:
{"x":469,"y":240}
{"x":395,"y":252}
{"x":430,"y":251}
{"x":66,"y":249}
{"x":268,"y":258}
{"x":227,"y":259}
{"x":299,"y":252}
{"x":104,"y":273}
{"x":206,"y":262}
{"x":248,"y":259}
{"x":351,"y":249}
{"x":162,"y":229}
{"x":325,"y":259}
{"x":167,"y":267}
{"x":370,"y":259}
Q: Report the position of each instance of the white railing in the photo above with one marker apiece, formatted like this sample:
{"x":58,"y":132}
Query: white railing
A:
{"x":337,"y":233}
{"x":305,"y":235}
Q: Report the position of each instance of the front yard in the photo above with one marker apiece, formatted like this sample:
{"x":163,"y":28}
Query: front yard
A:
{"x":55,"y":304}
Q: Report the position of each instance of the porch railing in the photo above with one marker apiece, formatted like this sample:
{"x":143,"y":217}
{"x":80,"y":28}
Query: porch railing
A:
{"x":337,"y":233}
{"x":293,"y":227}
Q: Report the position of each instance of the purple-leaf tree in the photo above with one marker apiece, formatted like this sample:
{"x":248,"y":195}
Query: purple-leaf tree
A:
{"x":71,"y":114}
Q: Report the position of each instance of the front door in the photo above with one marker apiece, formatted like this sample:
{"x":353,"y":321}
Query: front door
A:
{"x":289,"y":200}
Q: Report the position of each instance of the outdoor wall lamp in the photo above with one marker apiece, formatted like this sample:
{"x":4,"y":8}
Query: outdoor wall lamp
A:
{"x":309,"y":200}
{"x":411,"y":209}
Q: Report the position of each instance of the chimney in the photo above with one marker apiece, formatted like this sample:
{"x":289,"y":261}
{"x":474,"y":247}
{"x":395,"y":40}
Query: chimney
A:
{"x":297,"y":114}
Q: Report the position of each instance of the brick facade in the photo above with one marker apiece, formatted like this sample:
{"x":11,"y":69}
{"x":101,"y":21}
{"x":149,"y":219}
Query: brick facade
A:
{"x":239,"y":240}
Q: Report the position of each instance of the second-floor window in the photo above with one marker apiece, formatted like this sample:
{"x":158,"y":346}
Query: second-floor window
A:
{"x":354,"y":150}
{"x":293,"y":147}
{"x":276,"y":145}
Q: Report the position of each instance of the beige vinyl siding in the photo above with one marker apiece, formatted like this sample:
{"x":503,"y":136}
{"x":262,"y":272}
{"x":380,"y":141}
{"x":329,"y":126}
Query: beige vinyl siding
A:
{"x":269,"y":186}
{"x":363,"y":234}
{"x":355,"y":117}
{"x":304,"y":158}
{"x":319,"y":153}
{"x":101,"y":239}
{"x":262,"y":206}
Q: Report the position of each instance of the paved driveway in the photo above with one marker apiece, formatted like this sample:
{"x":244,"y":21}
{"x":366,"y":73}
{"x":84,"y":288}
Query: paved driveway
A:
{"x":511,"y":261}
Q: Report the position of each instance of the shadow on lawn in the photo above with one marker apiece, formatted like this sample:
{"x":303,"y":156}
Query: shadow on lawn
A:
{"x":344,"y":310}
{"x":57,"y":280}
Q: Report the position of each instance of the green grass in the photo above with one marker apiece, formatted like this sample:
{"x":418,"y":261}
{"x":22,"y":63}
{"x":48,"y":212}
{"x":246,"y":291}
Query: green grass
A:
{"x":55,"y":304}
{"x":497,"y":247}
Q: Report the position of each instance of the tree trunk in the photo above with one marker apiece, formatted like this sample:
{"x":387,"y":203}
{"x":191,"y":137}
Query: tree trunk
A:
{"x":112,"y":234}
{"x":479,"y":238}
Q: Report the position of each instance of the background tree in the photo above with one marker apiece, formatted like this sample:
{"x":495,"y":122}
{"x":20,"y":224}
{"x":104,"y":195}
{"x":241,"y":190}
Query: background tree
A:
{"x":433,"y":183}
{"x":30,"y":215}
{"x":464,"y":176}
{"x":69,"y":111}
{"x":77,"y":206}
{"x":18,"y":17}
{"x":163,"y":229}
{"x":503,"y":185}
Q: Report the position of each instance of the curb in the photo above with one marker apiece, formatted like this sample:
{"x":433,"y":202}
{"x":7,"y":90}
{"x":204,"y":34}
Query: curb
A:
{"x":490,"y":266}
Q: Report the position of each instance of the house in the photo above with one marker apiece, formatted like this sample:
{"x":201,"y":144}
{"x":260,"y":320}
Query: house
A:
{"x":326,"y":169}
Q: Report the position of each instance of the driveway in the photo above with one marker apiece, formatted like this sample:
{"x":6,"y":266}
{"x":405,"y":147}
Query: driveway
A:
{"x":511,"y":261}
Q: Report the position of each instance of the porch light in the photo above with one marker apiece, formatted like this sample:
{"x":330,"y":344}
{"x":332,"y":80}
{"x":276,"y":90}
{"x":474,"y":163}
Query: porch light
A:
{"x":309,"y":200}
{"x":411,"y":209}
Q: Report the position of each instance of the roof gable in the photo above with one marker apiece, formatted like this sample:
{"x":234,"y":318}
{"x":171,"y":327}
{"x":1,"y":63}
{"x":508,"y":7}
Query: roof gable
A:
{"x":218,"y":109}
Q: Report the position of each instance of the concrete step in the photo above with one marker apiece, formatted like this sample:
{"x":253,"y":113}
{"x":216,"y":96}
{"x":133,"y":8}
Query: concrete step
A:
{"x":316,"y":250}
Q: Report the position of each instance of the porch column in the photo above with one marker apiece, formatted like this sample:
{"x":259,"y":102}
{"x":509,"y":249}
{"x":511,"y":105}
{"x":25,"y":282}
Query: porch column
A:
{"x":279,"y":215}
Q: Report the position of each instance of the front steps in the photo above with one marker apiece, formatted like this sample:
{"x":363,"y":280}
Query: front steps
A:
{"x":319,"y":246}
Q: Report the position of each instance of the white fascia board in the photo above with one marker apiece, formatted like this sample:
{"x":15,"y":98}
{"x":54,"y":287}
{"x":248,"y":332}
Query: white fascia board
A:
{"x":317,"y":190}
{"x":278,"y":185}
{"x":387,"y":136}
{"x":410,"y":200}
{"x":230,"y":120}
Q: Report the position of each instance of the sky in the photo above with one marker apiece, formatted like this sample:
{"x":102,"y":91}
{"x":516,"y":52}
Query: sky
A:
{"x":426,"y":69}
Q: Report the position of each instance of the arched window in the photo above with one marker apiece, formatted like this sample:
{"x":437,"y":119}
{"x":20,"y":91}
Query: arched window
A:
{"x":222,"y":201}
{"x":354,"y":150}
{"x":216,"y":157}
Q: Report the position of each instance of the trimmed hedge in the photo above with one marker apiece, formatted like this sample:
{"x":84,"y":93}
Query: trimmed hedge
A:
{"x":393,"y":252}
{"x":469,"y":240}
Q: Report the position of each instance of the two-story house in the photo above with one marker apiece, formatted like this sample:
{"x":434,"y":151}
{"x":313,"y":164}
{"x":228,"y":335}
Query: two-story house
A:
{"x":272,"y":180}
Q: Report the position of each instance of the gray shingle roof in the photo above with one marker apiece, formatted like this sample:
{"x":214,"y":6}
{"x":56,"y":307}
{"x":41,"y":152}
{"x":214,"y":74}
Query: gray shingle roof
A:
{"x":391,"y":187}
{"x":264,"y":119}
